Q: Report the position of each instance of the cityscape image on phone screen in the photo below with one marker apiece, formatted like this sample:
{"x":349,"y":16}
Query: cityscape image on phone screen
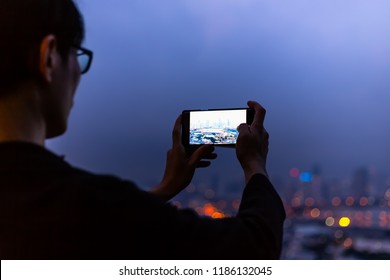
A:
{"x":215,"y":127}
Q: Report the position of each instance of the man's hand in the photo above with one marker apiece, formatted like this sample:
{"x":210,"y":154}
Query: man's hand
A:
{"x":180,"y":167}
{"x":252,"y":144}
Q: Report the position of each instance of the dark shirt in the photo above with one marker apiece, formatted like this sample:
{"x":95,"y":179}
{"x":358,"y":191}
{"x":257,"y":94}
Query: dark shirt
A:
{"x":51,"y":210}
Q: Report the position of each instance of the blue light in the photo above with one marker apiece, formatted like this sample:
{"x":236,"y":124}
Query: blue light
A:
{"x":306,"y":177}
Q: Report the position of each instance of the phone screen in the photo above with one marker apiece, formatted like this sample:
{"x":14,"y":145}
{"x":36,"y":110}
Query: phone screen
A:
{"x":217,"y":127}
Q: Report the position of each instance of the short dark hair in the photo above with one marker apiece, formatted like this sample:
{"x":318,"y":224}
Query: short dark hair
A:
{"x":23,"y":25}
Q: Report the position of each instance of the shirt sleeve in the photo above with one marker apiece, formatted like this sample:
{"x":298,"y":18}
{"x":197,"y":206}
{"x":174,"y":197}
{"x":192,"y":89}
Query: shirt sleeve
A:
{"x":255,"y":232}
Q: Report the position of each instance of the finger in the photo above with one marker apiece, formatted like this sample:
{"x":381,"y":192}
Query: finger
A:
{"x":203,"y":164}
{"x":265,"y":134}
{"x":243,"y":129}
{"x":211,"y":156}
{"x":259,"y":117}
{"x":176,"y":133}
{"x":200,"y":153}
{"x":265,"y":137}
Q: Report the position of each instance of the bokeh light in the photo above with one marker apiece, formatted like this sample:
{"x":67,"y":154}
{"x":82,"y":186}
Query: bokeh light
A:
{"x":329,"y":221}
{"x":294,"y":172}
{"x":344,"y":222}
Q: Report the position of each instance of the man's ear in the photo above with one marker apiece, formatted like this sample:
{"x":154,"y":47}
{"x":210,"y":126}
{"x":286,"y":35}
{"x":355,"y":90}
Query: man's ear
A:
{"x":48,"y":57}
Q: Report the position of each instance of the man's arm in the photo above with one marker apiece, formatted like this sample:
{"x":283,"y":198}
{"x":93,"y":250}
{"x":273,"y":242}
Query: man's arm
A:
{"x":254,"y":233}
{"x":262,"y":209}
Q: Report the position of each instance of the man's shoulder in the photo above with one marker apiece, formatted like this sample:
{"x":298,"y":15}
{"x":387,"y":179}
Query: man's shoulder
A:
{"x":26,"y":164}
{"x":104,"y":185}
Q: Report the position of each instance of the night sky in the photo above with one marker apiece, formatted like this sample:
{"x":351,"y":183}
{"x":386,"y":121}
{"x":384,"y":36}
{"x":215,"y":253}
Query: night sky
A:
{"x":320,"y":68}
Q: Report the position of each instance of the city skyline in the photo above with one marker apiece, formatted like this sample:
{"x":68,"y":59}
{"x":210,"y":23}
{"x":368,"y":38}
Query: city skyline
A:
{"x":217,"y":119}
{"x":326,"y":219}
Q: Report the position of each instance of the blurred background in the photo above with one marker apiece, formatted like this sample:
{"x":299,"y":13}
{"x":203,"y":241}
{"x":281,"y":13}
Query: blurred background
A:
{"x":320,"y":68}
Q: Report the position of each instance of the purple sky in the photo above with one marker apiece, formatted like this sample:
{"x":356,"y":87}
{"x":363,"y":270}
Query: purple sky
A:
{"x":321,"y":68}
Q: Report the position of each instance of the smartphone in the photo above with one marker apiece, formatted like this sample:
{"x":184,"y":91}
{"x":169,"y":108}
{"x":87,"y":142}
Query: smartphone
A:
{"x":213,"y":126}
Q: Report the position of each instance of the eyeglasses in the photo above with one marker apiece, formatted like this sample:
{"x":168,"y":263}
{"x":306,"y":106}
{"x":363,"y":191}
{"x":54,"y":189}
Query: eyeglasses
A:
{"x":84,"y":57}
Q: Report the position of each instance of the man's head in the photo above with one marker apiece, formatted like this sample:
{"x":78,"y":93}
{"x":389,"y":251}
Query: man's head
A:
{"x":39,"y":44}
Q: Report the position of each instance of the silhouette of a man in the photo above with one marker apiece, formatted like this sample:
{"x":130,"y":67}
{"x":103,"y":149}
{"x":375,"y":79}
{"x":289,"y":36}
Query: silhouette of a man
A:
{"x":52,"y":210}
